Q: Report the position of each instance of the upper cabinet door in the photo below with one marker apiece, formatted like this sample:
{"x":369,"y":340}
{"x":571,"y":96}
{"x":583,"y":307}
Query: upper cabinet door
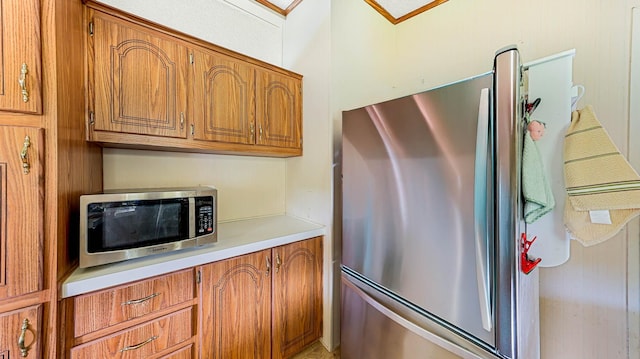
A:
{"x":21,"y":210}
{"x":279,"y":110}
{"x":223,"y":99}
{"x":20,"y":59}
{"x":139,"y":79}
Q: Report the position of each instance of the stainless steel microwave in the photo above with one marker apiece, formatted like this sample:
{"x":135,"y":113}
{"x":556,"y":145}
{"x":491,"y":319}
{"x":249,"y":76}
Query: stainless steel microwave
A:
{"x":126,"y":224}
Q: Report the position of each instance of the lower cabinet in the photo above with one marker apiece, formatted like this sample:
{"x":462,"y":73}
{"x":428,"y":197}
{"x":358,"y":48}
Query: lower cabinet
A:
{"x":261,"y":305}
{"x":23,"y":333}
{"x":266,"y":304}
{"x":152,"y":318}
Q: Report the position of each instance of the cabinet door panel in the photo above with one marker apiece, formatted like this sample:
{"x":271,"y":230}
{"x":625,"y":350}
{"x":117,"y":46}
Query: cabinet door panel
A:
{"x":297,"y":296}
{"x":236,"y":310}
{"x":11,"y":327}
{"x":20,"y":53}
{"x":21,"y":210}
{"x":139,"y":80}
{"x":279,"y":110}
{"x":224,"y":101}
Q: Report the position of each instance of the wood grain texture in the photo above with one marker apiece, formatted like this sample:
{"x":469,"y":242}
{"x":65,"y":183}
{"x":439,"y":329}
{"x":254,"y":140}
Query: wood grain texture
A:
{"x":182,"y":353}
{"x":73,"y":166}
{"x":227,"y":111}
{"x":128,"y":140}
{"x":297,"y":297}
{"x":379,"y":8}
{"x":223,"y":98}
{"x":91,"y":4}
{"x":20,"y":44}
{"x":278,"y":110}
{"x":275,"y":8}
{"x":158,"y":336}
{"x":105,"y":308}
{"x":21,"y":211}
{"x":140,"y":79}
{"x":235,"y":308}
{"x":11,"y":325}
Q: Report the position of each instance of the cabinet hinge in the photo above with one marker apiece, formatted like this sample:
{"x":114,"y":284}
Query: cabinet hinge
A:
{"x":198,"y":277}
{"x":191,"y":58}
{"x":91,"y":28}
{"x":92,"y":118}
{"x":193,"y":130}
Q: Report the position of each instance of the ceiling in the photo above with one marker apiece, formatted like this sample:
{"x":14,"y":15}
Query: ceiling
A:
{"x":393,"y":10}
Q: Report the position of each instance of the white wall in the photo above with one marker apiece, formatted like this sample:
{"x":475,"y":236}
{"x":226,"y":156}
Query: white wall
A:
{"x":307,"y":49}
{"x":584,"y":308}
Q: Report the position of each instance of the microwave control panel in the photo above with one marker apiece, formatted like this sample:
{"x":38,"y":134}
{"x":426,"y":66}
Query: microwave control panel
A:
{"x":205,"y":213}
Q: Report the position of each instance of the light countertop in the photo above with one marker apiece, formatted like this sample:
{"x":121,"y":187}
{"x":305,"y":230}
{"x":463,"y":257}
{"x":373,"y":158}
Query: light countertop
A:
{"x":234,"y":238}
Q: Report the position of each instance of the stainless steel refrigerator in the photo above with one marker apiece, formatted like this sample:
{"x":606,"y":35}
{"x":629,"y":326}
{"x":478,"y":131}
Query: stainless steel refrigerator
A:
{"x":431,"y":224}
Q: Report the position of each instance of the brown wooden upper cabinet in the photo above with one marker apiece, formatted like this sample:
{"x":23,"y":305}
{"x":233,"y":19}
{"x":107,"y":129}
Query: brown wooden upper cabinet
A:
{"x":139,"y":80}
{"x":223,"y":98}
{"x":154,"y":88}
{"x":20,"y":57}
{"x":278,"y":110}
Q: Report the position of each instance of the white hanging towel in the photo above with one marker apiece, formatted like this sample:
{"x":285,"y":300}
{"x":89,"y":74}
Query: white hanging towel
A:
{"x":603,"y":190}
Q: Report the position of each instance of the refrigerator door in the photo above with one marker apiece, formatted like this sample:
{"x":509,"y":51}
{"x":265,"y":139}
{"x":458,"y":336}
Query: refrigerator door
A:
{"x":375,"y":325}
{"x":413,"y":218}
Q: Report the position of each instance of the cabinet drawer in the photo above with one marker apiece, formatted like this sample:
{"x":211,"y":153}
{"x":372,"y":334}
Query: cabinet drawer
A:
{"x":142,"y":341}
{"x":182,"y":353}
{"x":105,"y":308}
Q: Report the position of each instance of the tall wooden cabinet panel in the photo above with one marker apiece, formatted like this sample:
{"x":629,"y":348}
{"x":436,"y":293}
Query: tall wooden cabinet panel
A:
{"x":223,"y":99}
{"x":21,"y":333}
{"x":235,"y":304}
{"x":140,"y":79}
{"x":278,"y":110}
{"x":20,"y":65}
{"x":21,"y":210}
{"x":297,"y":297}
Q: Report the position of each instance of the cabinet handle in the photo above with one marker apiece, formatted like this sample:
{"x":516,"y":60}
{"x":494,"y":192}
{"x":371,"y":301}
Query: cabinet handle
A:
{"x":278,"y":263}
{"x":260,"y":132}
{"x":181,"y":120}
{"x":24,"y":349}
{"x":23,"y":155}
{"x":268,"y":265}
{"x":139,"y":345}
{"x":22,"y":81}
{"x":141,"y":300}
{"x":252,"y":129}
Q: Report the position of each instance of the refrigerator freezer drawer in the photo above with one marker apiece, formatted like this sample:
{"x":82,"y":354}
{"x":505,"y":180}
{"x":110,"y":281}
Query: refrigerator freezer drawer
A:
{"x":375,"y":326}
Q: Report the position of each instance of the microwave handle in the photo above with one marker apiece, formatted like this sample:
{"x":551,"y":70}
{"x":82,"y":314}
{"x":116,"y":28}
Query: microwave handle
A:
{"x":192,"y":217}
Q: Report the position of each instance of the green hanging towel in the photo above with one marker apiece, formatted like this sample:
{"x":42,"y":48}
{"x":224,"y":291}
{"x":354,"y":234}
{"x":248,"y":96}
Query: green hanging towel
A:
{"x":535,"y":187}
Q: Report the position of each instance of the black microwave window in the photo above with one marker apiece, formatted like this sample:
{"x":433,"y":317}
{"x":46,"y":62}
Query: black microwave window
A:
{"x":131,"y":224}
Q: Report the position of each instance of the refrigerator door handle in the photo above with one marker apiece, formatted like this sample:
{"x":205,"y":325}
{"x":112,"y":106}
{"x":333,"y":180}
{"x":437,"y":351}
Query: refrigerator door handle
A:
{"x":481,"y":218}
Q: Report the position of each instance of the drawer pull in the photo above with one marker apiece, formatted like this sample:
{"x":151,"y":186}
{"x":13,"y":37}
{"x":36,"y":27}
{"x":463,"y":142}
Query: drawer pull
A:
{"x":141,"y":300}
{"x":139,"y":345}
{"x":24,"y":349}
